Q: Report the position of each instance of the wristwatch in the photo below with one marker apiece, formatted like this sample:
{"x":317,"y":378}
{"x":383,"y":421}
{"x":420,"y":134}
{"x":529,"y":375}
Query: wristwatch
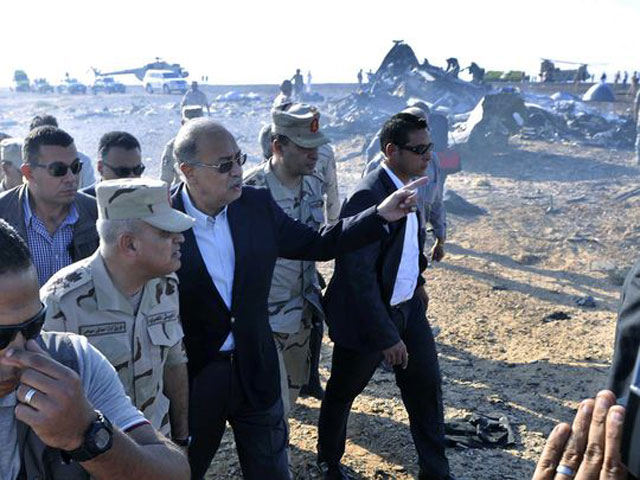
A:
{"x":98,"y":439}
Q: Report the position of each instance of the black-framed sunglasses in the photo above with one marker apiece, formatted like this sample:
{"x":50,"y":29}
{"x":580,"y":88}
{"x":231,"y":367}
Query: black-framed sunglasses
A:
{"x":124,"y":172}
{"x":226,"y":166}
{"x":60,"y":169}
{"x":30,"y":329}
{"x":418,"y":149}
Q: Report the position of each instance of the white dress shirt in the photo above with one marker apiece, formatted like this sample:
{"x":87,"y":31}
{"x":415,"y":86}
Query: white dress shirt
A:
{"x":409,"y":268}
{"x":215,"y":243}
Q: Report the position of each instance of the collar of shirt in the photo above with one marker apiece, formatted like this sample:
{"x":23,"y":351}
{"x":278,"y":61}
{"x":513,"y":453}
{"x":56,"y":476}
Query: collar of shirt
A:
{"x":394,"y":178}
{"x":108,"y":297}
{"x":71,"y":219}
{"x":202,"y":219}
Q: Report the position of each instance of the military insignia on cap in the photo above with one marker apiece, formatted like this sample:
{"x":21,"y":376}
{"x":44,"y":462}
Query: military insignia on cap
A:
{"x":315,"y":125}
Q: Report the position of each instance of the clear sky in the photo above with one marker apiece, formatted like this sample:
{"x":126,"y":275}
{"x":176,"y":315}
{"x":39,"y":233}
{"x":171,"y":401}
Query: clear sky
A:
{"x":243,"y":42}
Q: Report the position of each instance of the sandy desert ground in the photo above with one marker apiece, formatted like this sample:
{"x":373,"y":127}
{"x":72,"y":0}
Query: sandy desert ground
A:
{"x":554,"y":232}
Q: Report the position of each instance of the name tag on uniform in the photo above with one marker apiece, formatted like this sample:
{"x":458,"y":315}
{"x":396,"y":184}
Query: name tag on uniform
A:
{"x":103,"y":329}
{"x":162,"y":317}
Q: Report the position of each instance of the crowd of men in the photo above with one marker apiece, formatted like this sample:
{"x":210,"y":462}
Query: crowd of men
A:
{"x":137,"y":321}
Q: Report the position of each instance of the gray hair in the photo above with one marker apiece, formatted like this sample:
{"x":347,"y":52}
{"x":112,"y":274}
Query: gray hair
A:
{"x":185,"y":146}
{"x":109,"y":231}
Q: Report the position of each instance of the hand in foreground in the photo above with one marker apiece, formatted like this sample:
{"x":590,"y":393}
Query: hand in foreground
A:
{"x":397,"y":355}
{"x":590,"y":448}
{"x":58,"y":410}
{"x":401,"y":202}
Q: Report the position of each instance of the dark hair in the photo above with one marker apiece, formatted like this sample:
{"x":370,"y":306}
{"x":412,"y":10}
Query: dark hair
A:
{"x":43,"y":136}
{"x":117,"y":139}
{"x":41,"y":121}
{"x":396,"y":130}
{"x":14,"y":253}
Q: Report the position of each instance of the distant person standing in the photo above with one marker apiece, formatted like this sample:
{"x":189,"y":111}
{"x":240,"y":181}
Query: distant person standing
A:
{"x":298,"y":85}
{"x":616,"y":78}
{"x":634,"y":85}
{"x":625,"y":78}
{"x":603,"y":77}
{"x":195,"y":96}
{"x":284,"y":98}
{"x":308,"y":81}
{"x":360,"y":79}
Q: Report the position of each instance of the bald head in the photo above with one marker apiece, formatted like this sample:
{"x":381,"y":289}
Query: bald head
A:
{"x":193,"y":134}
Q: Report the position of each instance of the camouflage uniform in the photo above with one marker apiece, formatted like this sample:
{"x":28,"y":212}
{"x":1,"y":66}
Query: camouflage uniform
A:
{"x":295,"y":293}
{"x":82,"y":298}
{"x":168,"y":167}
{"x":326,"y":168}
{"x":194,"y":97}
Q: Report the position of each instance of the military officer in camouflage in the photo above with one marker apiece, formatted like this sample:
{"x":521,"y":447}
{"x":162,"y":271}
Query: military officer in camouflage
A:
{"x":10,"y":161}
{"x":636,"y":112}
{"x":294,"y":297}
{"x":124,"y":298}
{"x":169,"y":168}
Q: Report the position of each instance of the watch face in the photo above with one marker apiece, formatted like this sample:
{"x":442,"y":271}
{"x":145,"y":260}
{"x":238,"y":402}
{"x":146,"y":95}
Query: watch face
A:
{"x":102,"y":439}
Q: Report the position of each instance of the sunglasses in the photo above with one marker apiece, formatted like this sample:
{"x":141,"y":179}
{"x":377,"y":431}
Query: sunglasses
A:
{"x":29,"y":329}
{"x":60,"y":169}
{"x":418,"y":149}
{"x":124,"y":172}
{"x":226,"y":167}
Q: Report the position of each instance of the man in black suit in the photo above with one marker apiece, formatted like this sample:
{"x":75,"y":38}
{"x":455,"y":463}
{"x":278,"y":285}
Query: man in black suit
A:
{"x":225,"y":278}
{"x":376,"y":308}
{"x":627,"y":340}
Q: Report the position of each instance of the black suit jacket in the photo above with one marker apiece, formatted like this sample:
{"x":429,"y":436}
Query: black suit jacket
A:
{"x":357,"y":301}
{"x":261,"y":233}
{"x":627,"y":340}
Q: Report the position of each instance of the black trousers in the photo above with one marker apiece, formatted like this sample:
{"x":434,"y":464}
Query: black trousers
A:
{"x":420,"y":386}
{"x":216,"y":396}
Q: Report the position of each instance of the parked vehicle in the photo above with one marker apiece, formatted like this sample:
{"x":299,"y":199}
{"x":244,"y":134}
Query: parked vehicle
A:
{"x":107,"y":85}
{"x":164,"y":81}
{"x":41,"y":85}
{"x":21,"y":81}
{"x":72,"y":86}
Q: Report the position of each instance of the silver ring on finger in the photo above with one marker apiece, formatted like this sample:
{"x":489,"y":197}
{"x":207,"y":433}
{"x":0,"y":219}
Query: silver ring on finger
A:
{"x":28,"y":398}
{"x":564,"y":470}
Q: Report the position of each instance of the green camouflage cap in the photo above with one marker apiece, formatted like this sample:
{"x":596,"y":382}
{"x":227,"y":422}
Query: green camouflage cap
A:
{"x":192,"y":111}
{"x":300,"y":123}
{"x":140,"y":198}
{"x":11,"y":151}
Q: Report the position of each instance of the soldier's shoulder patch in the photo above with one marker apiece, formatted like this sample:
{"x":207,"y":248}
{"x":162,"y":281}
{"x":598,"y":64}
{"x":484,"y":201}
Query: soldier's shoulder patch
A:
{"x":67,"y":280}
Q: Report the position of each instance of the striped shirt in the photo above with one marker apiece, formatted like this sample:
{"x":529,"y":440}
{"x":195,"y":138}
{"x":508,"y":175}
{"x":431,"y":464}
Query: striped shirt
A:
{"x":50,"y":253}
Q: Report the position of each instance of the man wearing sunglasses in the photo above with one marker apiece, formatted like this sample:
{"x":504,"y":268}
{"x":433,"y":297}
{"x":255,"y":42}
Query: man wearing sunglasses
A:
{"x":63,"y":412}
{"x":229,"y":256}
{"x":120,"y":157}
{"x":86,"y":176}
{"x":56,"y":220}
{"x":375,"y":307}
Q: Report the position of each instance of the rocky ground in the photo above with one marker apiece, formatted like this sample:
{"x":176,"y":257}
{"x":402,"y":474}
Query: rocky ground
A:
{"x":554,"y":232}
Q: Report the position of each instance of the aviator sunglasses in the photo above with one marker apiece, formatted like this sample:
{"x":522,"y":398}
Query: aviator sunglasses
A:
{"x":59,"y":169}
{"x":124,"y":172}
{"x":30,"y":329}
{"x":418,"y":149}
{"x":226,"y":166}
